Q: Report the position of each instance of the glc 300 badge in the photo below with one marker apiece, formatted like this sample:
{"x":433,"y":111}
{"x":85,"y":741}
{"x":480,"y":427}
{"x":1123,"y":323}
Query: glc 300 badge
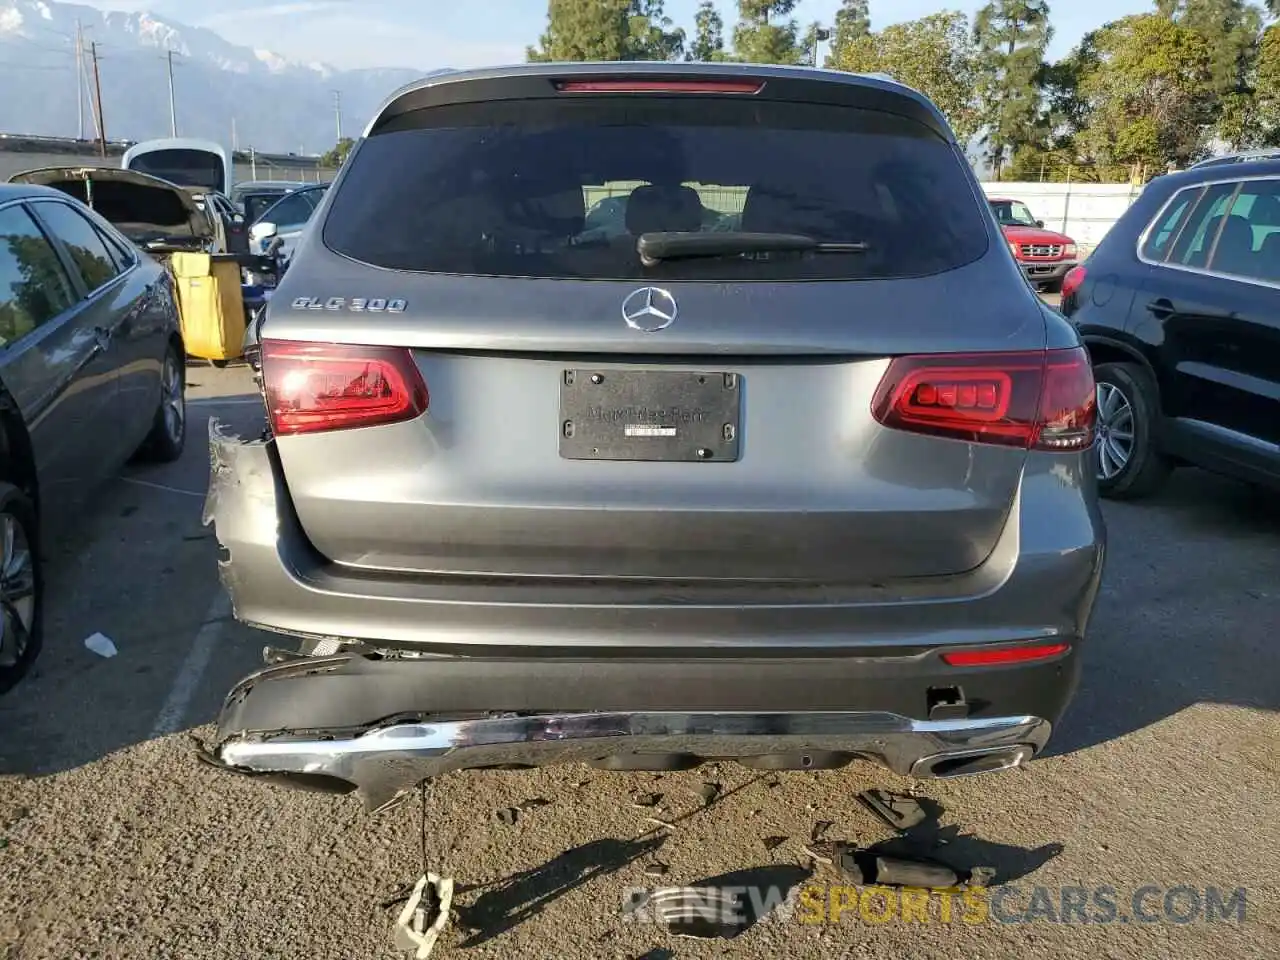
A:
{"x":354,"y":304}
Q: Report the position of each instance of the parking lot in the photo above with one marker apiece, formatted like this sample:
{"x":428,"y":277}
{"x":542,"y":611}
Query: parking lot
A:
{"x":115,"y":842}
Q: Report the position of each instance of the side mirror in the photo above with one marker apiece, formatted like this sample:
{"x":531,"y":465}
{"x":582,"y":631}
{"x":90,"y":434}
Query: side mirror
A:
{"x":1040,"y":224}
{"x":262,"y":231}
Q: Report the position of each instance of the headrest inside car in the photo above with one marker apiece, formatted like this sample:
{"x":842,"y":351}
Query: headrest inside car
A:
{"x":663,"y":209}
{"x":560,"y":212}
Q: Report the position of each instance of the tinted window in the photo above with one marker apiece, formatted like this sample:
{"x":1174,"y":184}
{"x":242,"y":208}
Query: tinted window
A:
{"x":1196,"y":238}
{"x":33,"y":285}
{"x":292,"y":211}
{"x":83,"y":242}
{"x":120,"y":256}
{"x":187,"y":168}
{"x":1249,"y":243}
{"x":1012,"y":213}
{"x":256,"y":204}
{"x":1163,"y":232}
{"x":563,"y":188}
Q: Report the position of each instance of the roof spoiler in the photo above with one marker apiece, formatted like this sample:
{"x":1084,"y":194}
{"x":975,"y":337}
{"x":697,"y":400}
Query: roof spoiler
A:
{"x":779,"y":83}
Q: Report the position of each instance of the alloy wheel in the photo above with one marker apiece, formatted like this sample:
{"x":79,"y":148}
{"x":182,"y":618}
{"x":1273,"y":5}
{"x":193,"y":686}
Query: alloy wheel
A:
{"x":1115,"y":431}
{"x":17,"y":591}
{"x":175,"y":412}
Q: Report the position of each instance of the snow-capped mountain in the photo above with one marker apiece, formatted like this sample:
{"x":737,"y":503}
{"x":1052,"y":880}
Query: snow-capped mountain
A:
{"x":273,"y":103}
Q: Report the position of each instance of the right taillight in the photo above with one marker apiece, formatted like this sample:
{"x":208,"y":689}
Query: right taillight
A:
{"x":1042,"y":400}
{"x":313,"y":387}
{"x":1072,"y":281}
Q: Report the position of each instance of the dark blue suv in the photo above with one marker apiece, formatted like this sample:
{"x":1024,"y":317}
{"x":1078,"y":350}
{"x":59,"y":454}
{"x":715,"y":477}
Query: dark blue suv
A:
{"x":1180,"y":309}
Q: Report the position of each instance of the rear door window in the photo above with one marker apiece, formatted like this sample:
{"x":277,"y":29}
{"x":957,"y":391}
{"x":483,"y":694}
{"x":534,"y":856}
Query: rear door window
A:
{"x":83,"y":242}
{"x":1249,"y":246}
{"x":1200,"y":231}
{"x":34,"y":287}
{"x":563,"y":188}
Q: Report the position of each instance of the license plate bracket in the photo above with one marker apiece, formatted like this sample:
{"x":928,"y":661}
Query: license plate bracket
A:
{"x":678,"y":416}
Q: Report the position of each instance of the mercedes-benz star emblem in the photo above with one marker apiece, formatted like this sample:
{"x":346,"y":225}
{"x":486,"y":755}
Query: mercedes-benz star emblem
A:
{"x":649,"y":309}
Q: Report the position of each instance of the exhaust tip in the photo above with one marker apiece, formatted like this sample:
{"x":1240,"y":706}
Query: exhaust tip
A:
{"x":944,"y":766}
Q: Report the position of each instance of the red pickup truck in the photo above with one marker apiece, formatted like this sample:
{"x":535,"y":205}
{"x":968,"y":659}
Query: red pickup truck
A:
{"x":1044,"y":255}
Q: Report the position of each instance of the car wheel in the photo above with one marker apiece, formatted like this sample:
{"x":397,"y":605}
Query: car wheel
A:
{"x":21,"y":587}
{"x":168,"y":435}
{"x":1129,"y":465}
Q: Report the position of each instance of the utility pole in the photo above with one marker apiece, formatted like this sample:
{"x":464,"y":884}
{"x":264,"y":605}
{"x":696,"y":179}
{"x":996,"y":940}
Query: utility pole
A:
{"x":79,"y":80}
{"x":173,"y":103}
{"x":235,"y":141}
{"x":97,"y":88}
{"x":337,"y":111}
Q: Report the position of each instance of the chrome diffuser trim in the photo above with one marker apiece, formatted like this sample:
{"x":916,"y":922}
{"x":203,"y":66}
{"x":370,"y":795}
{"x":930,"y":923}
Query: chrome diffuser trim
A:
{"x":383,"y":763}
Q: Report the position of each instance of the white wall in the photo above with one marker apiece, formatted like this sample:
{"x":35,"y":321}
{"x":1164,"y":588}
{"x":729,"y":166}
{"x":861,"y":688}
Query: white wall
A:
{"x":1083,"y":211}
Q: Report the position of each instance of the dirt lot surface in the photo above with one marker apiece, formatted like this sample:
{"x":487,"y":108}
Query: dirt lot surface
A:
{"x":115,"y":843}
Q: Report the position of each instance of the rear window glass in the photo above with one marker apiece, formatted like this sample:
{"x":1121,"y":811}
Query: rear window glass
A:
{"x":187,"y":168}
{"x":549,"y":188}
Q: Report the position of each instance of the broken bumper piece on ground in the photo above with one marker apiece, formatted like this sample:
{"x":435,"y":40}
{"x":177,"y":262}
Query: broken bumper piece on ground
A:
{"x":350,"y":723}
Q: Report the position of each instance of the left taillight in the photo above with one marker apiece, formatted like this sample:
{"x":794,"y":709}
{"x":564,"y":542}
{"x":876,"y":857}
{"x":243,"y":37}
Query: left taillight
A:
{"x":1043,"y":400}
{"x":314,"y":387}
{"x":1072,"y":281}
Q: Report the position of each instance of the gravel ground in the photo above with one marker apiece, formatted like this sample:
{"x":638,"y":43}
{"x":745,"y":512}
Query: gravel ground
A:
{"x":115,"y":843}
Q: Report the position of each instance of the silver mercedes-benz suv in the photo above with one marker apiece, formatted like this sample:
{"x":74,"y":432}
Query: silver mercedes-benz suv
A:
{"x":642,"y":414}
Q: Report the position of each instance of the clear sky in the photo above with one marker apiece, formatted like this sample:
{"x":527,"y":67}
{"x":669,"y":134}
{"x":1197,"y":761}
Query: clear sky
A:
{"x":461,"y":33}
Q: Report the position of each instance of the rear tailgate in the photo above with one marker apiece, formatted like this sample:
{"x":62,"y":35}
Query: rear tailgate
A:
{"x":588,"y":416}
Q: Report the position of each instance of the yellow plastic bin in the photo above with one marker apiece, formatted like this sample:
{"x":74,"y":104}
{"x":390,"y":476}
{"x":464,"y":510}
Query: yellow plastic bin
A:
{"x":210,"y":305}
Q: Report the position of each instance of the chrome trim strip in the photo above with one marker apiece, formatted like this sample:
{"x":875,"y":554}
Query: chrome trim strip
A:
{"x":384,"y":763}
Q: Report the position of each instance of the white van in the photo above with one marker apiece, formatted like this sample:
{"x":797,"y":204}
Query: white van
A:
{"x":186,"y":161}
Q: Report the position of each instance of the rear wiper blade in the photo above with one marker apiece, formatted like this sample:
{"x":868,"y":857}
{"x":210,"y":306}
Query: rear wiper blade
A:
{"x":656,"y":247}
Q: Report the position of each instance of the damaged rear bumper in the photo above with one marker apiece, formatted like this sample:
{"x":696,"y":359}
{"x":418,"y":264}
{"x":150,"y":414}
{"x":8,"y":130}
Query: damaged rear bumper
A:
{"x":296,"y":723}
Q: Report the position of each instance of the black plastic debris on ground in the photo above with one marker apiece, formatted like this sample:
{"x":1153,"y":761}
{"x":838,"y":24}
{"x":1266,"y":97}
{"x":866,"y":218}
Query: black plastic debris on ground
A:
{"x":898,"y":811}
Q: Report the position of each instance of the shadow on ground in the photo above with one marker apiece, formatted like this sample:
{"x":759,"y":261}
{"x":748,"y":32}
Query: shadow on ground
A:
{"x":1188,"y":610}
{"x":139,"y":567}
{"x":509,"y":902}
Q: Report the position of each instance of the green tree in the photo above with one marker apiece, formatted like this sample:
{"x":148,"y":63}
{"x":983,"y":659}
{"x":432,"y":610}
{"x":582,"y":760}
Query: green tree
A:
{"x":653,"y":35}
{"x":1229,"y":28}
{"x":1231,"y":31}
{"x":853,"y":20}
{"x":337,"y":156}
{"x":607,"y":30}
{"x":934,"y":55}
{"x":758,"y":38}
{"x":1266,"y":80}
{"x":584,"y":30}
{"x":1148,"y":96}
{"x":708,"y":33}
{"x":1011,"y":37}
